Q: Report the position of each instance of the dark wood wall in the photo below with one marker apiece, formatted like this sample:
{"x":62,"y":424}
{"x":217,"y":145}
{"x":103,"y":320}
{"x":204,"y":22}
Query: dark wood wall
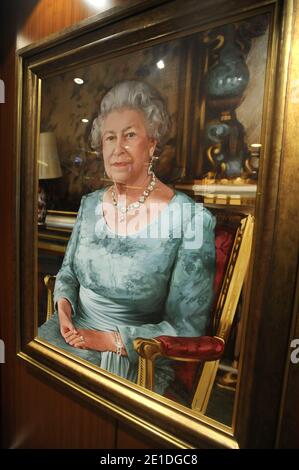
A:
{"x":36,"y":413}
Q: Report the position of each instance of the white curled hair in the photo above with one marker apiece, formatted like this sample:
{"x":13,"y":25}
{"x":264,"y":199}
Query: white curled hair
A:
{"x":137,"y":95}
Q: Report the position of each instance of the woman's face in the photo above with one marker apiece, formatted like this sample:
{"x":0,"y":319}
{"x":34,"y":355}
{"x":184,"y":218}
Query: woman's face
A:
{"x":126,"y":146}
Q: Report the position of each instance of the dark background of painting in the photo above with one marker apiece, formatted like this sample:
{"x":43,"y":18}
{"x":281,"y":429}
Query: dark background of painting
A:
{"x":64,"y":104}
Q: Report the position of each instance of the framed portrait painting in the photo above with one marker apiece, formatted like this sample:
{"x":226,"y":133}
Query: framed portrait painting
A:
{"x":201,"y":79}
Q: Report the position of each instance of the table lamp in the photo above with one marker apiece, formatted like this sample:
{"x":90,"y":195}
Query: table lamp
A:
{"x":48,"y":168}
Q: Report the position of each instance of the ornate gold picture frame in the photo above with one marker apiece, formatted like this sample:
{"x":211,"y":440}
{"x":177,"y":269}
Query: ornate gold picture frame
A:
{"x":159,"y":26}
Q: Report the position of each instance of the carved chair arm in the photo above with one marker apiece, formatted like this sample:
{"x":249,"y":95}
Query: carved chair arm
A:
{"x":49,"y":281}
{"x":202,"y":348}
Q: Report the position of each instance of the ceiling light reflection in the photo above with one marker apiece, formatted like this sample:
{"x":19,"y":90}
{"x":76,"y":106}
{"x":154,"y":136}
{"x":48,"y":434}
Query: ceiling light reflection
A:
{"x":98,"y":4}
{"x":160,"y":64}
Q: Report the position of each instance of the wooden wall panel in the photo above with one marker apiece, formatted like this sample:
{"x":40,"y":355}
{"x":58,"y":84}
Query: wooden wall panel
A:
{"x":288,"y":430}
{"x":51,"y":16}
{"x":7,"y":323}
{"x":129,"y":438}
{"x":49,"y":418}
{"x":34,"y":412}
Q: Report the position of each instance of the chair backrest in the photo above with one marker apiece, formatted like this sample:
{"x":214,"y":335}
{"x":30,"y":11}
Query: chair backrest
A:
{"x":236,"y":259}
{"x":233,"y":240}
{"x":233,"y":237}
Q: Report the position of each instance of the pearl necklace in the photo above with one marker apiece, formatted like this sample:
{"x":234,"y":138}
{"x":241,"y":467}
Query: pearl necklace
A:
{"x":134,"y":206}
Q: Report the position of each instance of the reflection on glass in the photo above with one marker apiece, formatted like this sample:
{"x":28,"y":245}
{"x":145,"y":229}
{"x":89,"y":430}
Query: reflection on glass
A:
{"x":141,"y":258}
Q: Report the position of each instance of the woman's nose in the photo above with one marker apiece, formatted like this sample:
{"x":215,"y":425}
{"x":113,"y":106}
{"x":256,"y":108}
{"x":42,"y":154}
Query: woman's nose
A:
{"x":119,"y":146}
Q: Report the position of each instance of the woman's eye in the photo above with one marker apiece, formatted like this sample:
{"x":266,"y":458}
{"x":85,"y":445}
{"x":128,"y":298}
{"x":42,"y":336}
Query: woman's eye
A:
{"x":109,"y":138}
{"x":130,"y":135}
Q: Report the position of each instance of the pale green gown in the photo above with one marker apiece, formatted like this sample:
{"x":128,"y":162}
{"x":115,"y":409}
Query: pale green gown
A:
{"x":156,"y":282}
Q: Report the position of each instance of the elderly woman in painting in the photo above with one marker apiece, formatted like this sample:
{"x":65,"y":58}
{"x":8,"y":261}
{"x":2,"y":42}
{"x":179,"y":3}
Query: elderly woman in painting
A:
{"x":140,"y":261}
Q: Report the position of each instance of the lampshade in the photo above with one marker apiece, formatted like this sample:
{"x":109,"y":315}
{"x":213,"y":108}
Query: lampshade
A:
{"x":48,"y":162}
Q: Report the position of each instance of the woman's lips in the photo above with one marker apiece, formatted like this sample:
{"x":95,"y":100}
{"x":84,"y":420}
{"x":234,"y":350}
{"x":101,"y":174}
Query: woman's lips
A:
{"x":120,"y":164}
